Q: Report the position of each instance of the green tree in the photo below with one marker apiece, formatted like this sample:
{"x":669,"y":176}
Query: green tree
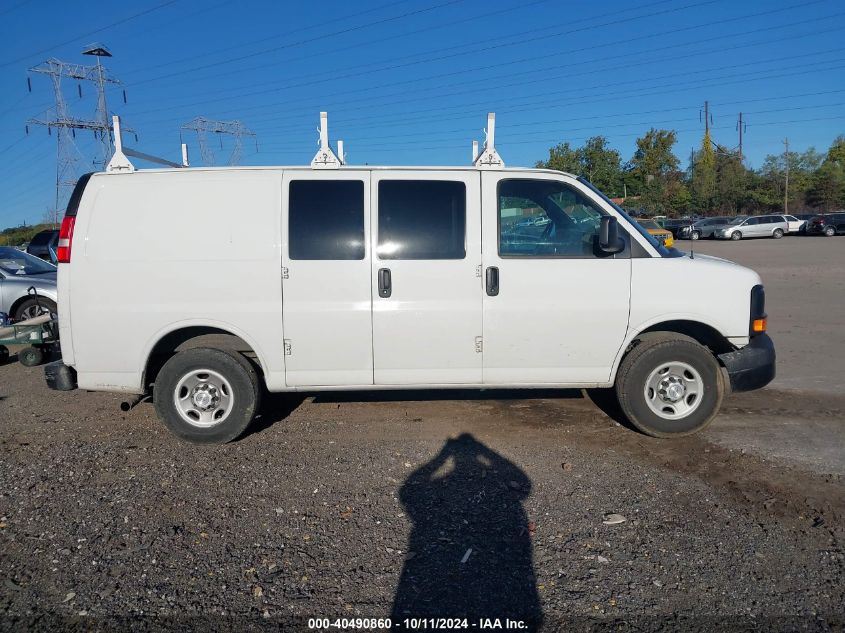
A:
{"x":562,"y":158}
{"x":655,"y":168}
{"x":827,"y":184}
{"x":704,"y":176}
{"x":601,"y":165}
{"x":732,"y":194}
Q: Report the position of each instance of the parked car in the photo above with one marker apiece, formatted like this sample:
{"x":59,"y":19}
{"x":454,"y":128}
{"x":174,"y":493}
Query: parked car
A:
{"x":774,"y":226}
{"x":379,"y":278}
{"x":804,"y":217}
{"x":654,"y":229}
{"x":41,"y":244}
{"x":702,"y":229}
{"x":20,"y":271}
{"x":796,"y":223}
{"x":828,"y":224}
{"x":675,"y":225}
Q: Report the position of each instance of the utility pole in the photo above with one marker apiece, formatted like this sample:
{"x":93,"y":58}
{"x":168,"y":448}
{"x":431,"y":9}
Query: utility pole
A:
{"x":786,"y":185}
{"x":68,"y":155}
{"x":203,"y":127}
{"x":741,"y":127}
{"x":706,"y":117}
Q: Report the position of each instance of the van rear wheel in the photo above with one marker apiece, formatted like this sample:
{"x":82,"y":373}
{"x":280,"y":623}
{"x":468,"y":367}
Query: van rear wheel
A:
{"x":207,"y":396}
{"x":669,"y":385}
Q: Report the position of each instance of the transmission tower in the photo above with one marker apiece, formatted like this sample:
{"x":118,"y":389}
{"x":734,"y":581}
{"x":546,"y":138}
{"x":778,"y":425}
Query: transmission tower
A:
{"x":203,"y":127}
{"x":68,"y":155}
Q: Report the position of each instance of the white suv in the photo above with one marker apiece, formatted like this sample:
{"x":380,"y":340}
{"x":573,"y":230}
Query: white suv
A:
{"x":220,"y":283}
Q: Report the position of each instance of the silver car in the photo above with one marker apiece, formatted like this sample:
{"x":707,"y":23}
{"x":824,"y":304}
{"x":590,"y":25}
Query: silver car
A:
{"x":775,"y":226}
{"x":19,"y":272}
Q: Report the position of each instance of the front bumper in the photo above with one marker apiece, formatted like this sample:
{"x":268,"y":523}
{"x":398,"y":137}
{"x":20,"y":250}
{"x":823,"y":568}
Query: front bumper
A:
{"x":753,"y":366}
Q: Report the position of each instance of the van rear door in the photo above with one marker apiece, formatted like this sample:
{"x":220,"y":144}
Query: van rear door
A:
{"x":427,"y":290}
{"x":326,"y":264}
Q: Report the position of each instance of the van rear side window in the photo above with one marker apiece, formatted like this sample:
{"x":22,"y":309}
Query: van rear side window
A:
{"x":326,"y":219}
{"x":421,"y":219}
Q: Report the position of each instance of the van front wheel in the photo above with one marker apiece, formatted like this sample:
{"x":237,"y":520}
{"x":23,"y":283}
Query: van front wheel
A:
{"x":669,"y":385}
{"x":207,"y":396}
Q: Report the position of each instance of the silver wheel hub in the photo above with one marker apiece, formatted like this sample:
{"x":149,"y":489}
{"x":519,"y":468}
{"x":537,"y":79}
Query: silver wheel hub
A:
{"x":203,"y":398}
{"x":674,"y":390}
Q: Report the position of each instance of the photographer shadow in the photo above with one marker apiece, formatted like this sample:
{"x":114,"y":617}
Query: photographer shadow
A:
{"x":469,"y":551}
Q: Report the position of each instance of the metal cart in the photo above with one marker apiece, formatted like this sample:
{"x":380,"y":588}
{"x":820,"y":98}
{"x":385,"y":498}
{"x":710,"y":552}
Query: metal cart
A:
{"x":39,"y":334}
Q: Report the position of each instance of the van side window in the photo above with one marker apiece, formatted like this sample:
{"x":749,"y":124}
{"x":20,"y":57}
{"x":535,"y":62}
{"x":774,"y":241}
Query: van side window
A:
{"x":421,"y":219}
{"x":545,"y":218}
{"x":326,"y":219}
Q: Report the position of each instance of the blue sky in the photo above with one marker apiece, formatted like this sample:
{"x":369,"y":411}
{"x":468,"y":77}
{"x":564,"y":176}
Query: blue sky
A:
{"x":410,"y":82}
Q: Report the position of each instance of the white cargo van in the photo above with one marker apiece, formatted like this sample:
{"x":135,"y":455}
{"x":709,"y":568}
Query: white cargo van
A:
{"x":208,"y":285}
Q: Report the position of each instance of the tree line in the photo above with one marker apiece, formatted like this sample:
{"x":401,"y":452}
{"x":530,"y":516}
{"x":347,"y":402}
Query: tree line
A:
{"x":716,"y":181}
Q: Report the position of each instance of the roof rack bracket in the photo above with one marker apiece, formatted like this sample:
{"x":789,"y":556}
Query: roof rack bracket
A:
{"x":325,"y":157}
{"x":488,"y":158}
{"x":119,"y":162}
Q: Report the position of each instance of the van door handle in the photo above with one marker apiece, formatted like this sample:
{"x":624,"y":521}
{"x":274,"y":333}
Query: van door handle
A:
{"x":492,"y":281}
{"x":385,"y":287}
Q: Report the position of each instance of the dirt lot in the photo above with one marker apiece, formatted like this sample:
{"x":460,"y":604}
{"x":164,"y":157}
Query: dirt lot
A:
{"x":444,"y":504}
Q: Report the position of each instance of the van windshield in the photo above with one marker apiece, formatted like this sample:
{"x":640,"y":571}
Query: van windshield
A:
{"x":739,"y":219}
{"x":15,"y":262}
{"x":664,"y":252}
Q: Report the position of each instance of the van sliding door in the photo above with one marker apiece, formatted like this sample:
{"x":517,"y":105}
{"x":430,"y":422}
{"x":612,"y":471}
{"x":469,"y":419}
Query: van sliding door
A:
{"x":326,"y":263}
{"x":426,"y":277}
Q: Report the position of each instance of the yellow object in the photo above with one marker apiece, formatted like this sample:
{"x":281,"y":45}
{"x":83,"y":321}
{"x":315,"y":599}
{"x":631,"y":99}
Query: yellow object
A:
{"x":662,"y":235}
{"x":758,"y":325}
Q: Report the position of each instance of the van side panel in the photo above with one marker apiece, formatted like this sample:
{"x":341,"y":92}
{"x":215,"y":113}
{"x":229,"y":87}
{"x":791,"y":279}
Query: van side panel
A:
{"x":157,"y":251}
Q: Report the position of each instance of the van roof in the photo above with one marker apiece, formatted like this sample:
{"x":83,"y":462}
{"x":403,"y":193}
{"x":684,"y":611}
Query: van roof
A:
{"x":308,"y":168}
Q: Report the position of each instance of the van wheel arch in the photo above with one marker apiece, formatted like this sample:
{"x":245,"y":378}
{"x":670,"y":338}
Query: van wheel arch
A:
{"x":195,"y":337}
{"x":704,"y":334}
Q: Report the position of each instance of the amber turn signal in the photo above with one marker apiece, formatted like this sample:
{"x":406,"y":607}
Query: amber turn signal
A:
{"x":758,"y":325}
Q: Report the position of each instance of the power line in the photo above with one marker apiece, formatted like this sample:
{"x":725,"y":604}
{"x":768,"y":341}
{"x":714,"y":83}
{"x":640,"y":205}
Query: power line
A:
{"x":274,"y":37}
{"x":456,"y":145}
{"x":15,"y":7}
{"x":368,"y":98}
{"x":557,"y":103}
{"x":89,"y":33}
{"x":308,"y":41}
{"x":451,"y":23}
{"x":480,"y":68}
{"x":344,"y":71}
{"x":564,"y":133}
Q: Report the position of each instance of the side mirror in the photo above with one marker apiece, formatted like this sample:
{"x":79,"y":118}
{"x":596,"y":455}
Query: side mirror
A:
{"x":609,"y":240}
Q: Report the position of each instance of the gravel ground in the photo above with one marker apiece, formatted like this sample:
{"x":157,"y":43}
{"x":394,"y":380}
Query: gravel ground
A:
{"x":437,"y":504}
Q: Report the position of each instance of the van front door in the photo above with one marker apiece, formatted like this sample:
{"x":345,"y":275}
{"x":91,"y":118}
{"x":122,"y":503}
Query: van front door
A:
{"x":558,"y":312}
{"x":426,"y":283}
{"x":326,"y":263}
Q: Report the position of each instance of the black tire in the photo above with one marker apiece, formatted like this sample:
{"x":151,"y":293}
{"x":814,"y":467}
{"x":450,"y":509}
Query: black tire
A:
{"x":648,"y":354}
{"x":736,"y":235}
{"x":31,"y":356}
{"x":777,"y":234}
{"x":30,"y":308}
{"x":829,"y":231}
{"x":237,"y":371}
{"x":695,"y":235}
{"x":4,"y":354}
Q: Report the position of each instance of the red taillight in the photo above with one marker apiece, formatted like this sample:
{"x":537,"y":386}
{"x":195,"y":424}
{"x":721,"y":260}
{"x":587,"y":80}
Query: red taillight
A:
{"x":65,"y":240}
